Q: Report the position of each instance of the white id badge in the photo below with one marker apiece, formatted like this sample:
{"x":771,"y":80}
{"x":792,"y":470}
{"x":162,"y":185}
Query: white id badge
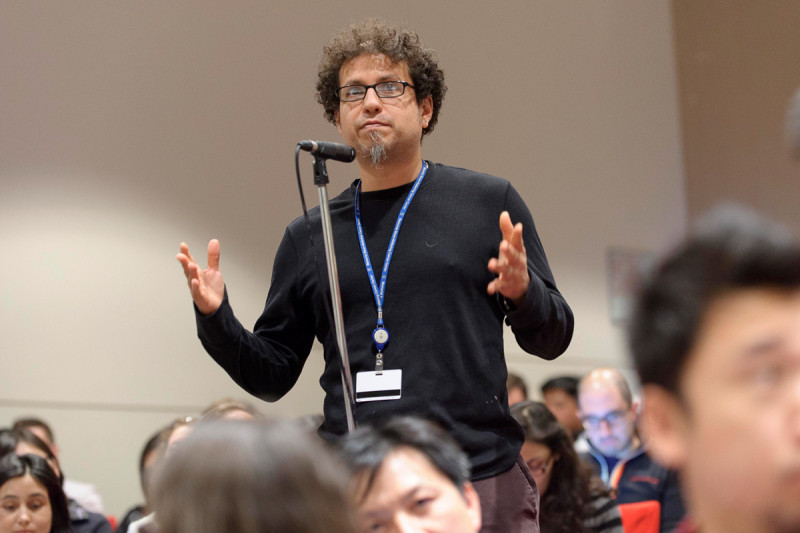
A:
{"x":374,"y":387}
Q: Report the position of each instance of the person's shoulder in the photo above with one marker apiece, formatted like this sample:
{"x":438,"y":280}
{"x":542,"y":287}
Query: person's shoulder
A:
{"x":645,"y":467}
{"x":468,"y":183}
{"x":341,"y":202}
{"x":460,"y":173}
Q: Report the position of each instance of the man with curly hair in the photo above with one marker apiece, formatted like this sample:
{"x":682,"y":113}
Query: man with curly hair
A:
{"x":456,"y":275}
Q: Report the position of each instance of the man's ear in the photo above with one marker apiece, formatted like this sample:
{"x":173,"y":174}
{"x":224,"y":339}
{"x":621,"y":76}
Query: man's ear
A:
{"x":426,"y":110}
{"x":473,"y":505}
{"x":665,"y":426}
{"x":336,"y":121}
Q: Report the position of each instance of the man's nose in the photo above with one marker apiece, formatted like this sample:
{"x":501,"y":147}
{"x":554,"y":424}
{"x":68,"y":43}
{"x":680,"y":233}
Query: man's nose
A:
{"x":604,"y":428}
{"x":372,"y":102}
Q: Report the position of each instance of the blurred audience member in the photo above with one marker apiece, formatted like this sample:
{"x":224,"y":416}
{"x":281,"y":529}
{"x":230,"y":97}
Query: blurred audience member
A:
{"x":517,"y":389}
{"x":84,"y":493}
{"x":716,"y":341}
{"x":231,"y":409}
{"x":26,"y":442}
{"x":177,"y":431}
{"x":251,"y":477}
{"x":573,"y":500}
{"x":31,"y":498}
{"x":560,"y":395}
{"x":609,"y":415}
{"x":153,"y":449}
{"x":409,"y":475}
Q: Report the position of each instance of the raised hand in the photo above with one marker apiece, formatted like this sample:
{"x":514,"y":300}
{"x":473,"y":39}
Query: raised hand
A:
{"x":511,"y":264}
{"x":206,"y":286}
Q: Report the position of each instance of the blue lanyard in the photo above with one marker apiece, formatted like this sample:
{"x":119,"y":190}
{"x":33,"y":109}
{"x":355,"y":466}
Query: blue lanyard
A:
{"x":379,"y":292}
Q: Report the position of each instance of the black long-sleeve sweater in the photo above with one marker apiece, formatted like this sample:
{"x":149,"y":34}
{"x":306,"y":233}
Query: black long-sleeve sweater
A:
{"x":446,"y":331}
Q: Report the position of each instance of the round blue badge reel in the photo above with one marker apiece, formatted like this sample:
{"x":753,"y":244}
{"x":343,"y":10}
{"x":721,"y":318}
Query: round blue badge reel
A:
{"x":380,"y":336}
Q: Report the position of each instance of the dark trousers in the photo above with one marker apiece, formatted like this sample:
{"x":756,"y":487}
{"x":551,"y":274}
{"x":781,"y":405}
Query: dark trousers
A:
{"x":509,"y":501}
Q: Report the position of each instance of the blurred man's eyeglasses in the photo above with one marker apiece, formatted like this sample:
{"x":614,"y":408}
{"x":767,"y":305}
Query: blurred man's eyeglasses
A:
{"x":611,"y":418}
{"x":384,"y":89}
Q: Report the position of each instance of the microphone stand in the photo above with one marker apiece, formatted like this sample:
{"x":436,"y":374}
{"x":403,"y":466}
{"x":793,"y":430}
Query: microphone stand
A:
{"x":321,"y":181}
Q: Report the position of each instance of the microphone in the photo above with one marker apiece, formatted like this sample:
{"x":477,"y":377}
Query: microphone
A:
{"x":327,"y":150}
{"x":793,"y":125}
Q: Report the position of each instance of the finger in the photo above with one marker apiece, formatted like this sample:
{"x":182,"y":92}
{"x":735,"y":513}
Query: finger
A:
{"x":213,"y":254}
{"x":506,"y":226}
{"x":184,"y":261}
{"x":516,"y":237}
{"x":492,"y":287}
{"x":493,"y":266}
{"x":508,"y":257}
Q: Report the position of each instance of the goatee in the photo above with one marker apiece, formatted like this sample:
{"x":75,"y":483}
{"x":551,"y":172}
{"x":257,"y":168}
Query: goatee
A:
{"x":377,"y":150}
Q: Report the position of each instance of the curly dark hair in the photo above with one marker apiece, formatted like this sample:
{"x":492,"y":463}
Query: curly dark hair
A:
{"x":375,"y":36}
{"x":568,"y":500}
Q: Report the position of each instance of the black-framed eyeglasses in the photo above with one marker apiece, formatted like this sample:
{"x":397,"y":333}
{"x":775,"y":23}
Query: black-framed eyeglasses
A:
{"x":612,"y":418}
{"x":384,"y":89}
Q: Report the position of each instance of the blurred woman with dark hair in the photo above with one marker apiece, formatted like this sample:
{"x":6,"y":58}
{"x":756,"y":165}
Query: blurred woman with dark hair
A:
{"x":31,"y":498}
{"x":24,"y":441}
{"x":573,"y":500}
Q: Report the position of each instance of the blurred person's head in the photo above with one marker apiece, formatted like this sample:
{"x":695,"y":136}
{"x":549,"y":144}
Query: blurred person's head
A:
{"x":40,"y":428}
{"x":410,"y":475}
{"x":152,"y":451}
{"x":22,"y":441}
{"x":608,"y":412}
{"x":564,"y":482}
{"x":250,"y":477}
{"x":560,"y":395}
{"x":231,"y":409}
{"x":517,"y":389}
{"x":177,"y":431}
{"x":31,"y":499}
{"x":716,"y":341}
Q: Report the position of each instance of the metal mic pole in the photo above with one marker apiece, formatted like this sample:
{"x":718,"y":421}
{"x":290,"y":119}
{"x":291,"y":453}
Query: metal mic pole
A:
{"x":321,"y":181}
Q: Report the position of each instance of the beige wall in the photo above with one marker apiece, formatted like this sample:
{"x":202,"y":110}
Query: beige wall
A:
{"x":739,"y":65}
{"x":126,"y":127}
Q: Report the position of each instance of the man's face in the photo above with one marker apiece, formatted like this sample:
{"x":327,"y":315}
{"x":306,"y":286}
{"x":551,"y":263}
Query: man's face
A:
{"x":565,"y":408}
{"x":739,"y":432}
{"x":410,"y":495}
{"x":394,"y":123}
{"x":610,"y":423}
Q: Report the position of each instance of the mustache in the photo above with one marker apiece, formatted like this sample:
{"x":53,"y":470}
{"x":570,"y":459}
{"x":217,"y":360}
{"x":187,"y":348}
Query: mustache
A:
{"x":383,"y":120}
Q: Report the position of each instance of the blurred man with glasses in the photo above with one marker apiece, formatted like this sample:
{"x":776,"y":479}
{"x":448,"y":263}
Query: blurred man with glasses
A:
{"x":616,"y":452}
{"x":466,"y":259}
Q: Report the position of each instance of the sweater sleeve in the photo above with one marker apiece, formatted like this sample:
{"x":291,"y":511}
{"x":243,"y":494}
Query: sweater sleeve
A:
{"x":544,"y":323}
{"x":267,"y":361}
